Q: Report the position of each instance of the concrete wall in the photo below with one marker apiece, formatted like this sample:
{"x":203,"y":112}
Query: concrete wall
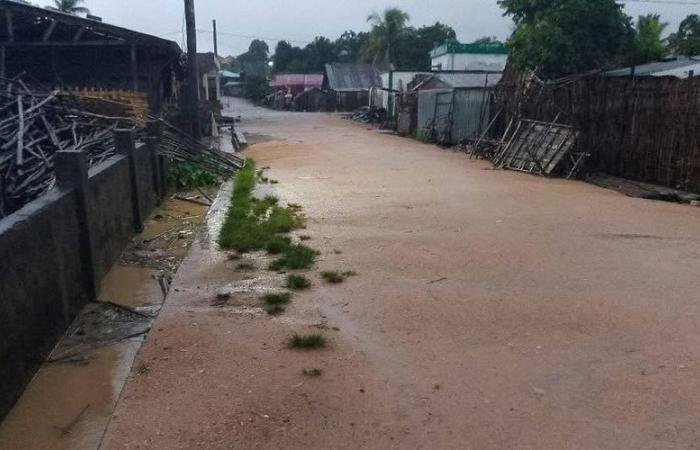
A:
{"x":57,"y":249}
{"x":470,"y":61}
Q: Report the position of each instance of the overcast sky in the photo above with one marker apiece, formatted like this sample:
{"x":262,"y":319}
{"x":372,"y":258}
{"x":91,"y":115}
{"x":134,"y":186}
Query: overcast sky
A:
{"x":302,"y":20}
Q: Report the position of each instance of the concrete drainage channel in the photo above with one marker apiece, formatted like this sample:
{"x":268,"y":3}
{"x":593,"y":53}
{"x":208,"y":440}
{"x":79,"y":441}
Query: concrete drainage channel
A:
{"x":70,"y":401}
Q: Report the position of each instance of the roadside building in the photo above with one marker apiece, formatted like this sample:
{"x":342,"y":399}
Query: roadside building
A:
{"x":677,"y":66}
{"x":450,"y":107}
{"x":55,"y":48}
{"x":287,"y":86}
{"x":350,"y":84}
{"x":457,"y":56}
{"x":209,"y":71}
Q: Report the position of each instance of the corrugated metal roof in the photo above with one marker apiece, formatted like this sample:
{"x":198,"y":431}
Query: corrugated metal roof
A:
{"x":297,"y":79}
{"x":656,"y":66}
{"x":206,"y":62}
{"x":491,"y":48}
{"x":460,"y":80}
{"x":344,"y":77}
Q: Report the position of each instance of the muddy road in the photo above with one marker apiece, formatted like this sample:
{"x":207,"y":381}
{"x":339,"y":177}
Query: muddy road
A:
{"x":491,"y":310}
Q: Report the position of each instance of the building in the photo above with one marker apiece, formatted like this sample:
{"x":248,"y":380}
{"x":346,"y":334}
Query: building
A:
{"x":677,"y":66}
{"x":209,"y":71}
{"x":59,"y":49}
{"x":457,"y":56}
{"x":288,"y":86}
{"x":350,"y":84}
{"x":449,"y":107}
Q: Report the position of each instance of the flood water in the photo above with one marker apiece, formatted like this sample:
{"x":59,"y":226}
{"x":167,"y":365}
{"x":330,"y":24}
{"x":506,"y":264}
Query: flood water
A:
{"x":70,"y":401}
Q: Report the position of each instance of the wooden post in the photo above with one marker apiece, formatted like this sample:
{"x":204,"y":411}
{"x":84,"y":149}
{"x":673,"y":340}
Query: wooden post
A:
{"x":192,"y":87}
{"x":124,"y":140}
{"x":71,"y":169}
{"x":216,"y":43}
{"x":134,"y":69}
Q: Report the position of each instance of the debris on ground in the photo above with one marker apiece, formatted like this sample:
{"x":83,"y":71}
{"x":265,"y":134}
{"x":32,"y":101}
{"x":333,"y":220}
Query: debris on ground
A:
{"x":638,"y":189}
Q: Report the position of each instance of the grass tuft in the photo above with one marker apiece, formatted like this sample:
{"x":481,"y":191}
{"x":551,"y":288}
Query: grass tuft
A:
{"x":274,"y":310}
{"x":246,"y":267}
{"x":297,"y":282}
{"x":313,"y":372}
{"x":306,"y":341}
{"x":277,"y":298}
{"x":295,"y":257}
{"x":278,"y":244}
{"x":332,"y":276}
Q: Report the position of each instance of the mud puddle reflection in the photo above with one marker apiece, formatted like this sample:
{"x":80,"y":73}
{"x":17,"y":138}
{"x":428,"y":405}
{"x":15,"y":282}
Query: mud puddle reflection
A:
{"x":70,"y":401}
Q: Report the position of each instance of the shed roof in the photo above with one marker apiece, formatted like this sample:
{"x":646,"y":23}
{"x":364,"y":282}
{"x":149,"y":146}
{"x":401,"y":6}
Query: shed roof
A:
{"x":658,"y":67}
{"x":459,"y":80}
{"x":297,"y":79}
{"x":346,"y":77}
{"x":29,"y":25}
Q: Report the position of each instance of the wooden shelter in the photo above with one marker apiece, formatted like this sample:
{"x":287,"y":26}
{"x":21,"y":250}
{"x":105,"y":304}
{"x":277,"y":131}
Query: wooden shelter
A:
{"x":54,"y":48}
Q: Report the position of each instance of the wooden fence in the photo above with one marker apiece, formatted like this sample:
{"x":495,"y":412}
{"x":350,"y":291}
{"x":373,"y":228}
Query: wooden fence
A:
{"x":645,"y":128}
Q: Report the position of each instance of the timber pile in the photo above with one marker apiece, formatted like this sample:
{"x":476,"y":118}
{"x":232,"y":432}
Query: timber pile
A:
{"x":643,"y":128}
{"x":36,"y":123}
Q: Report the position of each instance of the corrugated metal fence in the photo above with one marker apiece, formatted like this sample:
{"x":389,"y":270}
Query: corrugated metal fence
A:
{"x":467,"y":117}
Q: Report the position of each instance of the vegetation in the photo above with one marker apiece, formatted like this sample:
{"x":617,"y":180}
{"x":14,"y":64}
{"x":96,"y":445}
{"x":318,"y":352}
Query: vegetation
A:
{"x":277,"y":298}
{"x":313,"y":372}
{"x":256,"y":224}
{"x":561,"y":37}
{"x":686,"y":41}
{"x":187,"y":175}
{"x":246,"y":267}
{"x":295,"y":257}
{"x":70,"y":6}
{"x":297,"y":282}
{"x":648,"y":44}
{"x":335,"y":277}
{"x":307,"y":341}
{"x":391,"y":40}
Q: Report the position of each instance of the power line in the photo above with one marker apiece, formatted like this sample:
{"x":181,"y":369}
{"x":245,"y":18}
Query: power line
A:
{"x":238,"y":35}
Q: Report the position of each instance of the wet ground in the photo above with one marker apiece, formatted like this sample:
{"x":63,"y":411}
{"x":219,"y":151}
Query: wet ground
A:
{"x":72,"y":397}
{"x":491,"y":310}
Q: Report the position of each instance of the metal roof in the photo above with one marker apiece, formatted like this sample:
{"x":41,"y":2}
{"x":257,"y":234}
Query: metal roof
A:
{"x":31,"y":24}
{"x":207,"y":62}
{"x":657,"y":67}
{"x":460,"y":80}
{"x":297,"y":79}
{"x":345,"y":77}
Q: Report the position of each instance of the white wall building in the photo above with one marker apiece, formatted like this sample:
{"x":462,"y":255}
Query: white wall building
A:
{"x":456,"y":56}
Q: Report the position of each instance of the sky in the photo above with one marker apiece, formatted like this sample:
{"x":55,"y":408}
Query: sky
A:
{"x":299,"y":21}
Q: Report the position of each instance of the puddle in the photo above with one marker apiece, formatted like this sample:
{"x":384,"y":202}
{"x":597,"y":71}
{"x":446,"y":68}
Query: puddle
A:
{"x":70,"y":401}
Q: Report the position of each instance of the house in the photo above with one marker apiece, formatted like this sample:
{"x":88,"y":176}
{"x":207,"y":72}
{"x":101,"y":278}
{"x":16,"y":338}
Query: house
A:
{"x":55,"y":48}
{"x":287,"y":86}
{"x":311,"y":100}
{"x":209,"y":71}
{"x":456,"y":56}
{"x":350,"y":84}
{"x":677,"y":66}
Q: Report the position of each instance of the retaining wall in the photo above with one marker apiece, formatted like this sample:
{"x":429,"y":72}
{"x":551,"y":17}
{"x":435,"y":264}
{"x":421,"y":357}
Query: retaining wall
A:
{"x":56,"y":250}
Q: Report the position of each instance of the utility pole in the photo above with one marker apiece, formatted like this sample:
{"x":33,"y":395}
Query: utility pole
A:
{"x":216,"y":46}
{"x":192,"y":77}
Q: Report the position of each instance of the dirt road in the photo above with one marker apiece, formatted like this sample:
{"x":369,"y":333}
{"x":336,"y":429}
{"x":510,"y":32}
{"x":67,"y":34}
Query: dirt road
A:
{"x":491,"y":310}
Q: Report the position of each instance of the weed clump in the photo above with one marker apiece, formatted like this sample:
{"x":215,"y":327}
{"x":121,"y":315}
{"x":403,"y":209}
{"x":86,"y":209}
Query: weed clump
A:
{"x":295,"y":257}
{"x":297,"y":282}
{"x":246,"y":267}
{"x":313,"y":372}
{"x":277,"y":298}
{"x":335,"y":277}
{"x":306,"y":341}
{"x":278,"y":244}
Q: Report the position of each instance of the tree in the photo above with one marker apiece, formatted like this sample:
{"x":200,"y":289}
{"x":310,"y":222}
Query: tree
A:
{"x":487,"y":40}
{"x":687,"y":40}
{"x":386,"y":31}
{"x":560,"y":37}
{"x":257,"y":51}
{"x":70,"y":6}
{"x":648,"y":44}
{"x":414,"y":45}
{"x":350,"y":45}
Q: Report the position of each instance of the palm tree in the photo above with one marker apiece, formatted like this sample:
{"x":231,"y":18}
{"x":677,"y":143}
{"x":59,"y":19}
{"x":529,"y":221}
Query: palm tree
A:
{"x":70,"y":6}
{"x":386,"y":30}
